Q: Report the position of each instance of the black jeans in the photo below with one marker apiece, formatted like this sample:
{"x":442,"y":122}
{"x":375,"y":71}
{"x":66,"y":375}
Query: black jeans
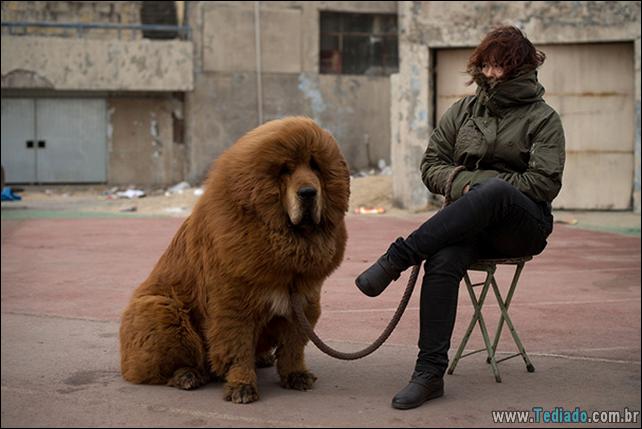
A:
{"x":492,"y":220}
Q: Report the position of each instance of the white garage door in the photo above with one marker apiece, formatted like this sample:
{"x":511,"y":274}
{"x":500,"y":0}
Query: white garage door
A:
{"x":50,"y":140}
{"x":591,"y":86}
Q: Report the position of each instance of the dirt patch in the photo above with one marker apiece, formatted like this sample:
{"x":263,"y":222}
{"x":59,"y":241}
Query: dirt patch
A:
{"x":369,"y":192}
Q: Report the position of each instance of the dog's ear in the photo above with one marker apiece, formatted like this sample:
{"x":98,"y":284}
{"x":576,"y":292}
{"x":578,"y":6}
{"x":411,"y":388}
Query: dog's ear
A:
{"x":266,"y":202}
{"x":339,"y":182}
{"x":336,"y":177}
{"x":248,"y":182}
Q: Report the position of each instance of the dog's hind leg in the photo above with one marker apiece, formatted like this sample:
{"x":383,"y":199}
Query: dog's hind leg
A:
{"x":159,"y":345}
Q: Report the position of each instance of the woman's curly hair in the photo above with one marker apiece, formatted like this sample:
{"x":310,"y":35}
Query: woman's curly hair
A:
{"x":506,"y":47}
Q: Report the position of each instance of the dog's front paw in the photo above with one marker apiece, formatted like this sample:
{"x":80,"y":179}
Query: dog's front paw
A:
{"x":298,"y":380}
{"x":240,"y":393}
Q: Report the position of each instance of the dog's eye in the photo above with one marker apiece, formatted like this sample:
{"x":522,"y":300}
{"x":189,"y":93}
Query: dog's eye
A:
{"x":284,"y":170}
{"x":314,"y":165}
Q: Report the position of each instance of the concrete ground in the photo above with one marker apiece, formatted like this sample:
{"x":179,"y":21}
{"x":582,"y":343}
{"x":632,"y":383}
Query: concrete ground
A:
{"x":66,"y":278}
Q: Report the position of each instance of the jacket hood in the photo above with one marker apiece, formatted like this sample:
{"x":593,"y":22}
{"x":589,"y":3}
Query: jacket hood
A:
{"x":520,"y":90}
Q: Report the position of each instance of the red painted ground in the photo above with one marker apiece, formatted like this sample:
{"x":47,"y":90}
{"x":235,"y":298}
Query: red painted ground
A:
{"x":577,"y":309}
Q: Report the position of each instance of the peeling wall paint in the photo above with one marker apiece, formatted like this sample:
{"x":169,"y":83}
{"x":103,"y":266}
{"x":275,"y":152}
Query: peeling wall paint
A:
{"x":309,"y":86}
{"x":409,"y":99}
{"x":20,"y":78}
{"x":157,"y":144}
{"x":94,"y":65}
{"x":141,"y":148}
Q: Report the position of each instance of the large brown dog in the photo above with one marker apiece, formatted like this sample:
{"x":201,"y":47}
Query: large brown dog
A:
{"x":217,"y":302}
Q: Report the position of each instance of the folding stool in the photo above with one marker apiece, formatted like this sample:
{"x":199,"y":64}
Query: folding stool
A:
{"x":490,"y":266}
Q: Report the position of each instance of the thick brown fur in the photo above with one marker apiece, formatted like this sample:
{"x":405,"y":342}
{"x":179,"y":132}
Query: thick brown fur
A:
{"x":217,"y":302}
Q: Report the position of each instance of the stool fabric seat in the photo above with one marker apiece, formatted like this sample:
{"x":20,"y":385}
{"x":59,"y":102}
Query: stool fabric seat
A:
{"x":481,"y":264}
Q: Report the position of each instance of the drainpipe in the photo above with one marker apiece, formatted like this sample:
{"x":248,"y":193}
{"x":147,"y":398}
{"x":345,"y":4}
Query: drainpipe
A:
{"x":257,"y":43}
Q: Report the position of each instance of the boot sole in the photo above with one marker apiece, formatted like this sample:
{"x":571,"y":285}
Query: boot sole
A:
{"x":435,"y":395}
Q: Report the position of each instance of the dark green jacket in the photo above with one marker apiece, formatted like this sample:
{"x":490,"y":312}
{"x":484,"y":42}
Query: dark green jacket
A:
{"x":507,"y":132}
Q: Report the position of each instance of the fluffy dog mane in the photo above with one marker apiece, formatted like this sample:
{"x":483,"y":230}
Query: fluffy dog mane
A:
{"x":243,"y":194}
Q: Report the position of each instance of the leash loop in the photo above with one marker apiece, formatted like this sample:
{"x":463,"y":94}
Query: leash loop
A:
{"x":297,"y":303}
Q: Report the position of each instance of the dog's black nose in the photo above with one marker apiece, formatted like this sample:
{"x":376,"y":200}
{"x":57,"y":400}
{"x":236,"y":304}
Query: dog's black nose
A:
{"x":307,"y":192}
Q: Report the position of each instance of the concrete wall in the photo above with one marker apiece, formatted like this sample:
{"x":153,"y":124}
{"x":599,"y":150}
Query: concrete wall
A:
{"x":409,"y":119}
{"x":141,"y":146}
{"x":81,"y":64}
{"x":136,"y":76}
{"x":463,"y":24}
{"x":224,"y":103}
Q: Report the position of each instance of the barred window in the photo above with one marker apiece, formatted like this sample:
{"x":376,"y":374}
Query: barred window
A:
{"x":358,"y":43}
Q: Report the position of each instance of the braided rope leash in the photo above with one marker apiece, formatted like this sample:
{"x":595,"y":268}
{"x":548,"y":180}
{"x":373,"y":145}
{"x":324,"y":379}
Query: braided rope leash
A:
{"x":297,"y":304}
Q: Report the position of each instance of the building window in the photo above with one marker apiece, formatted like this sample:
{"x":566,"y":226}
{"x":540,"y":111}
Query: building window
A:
{"x":358,"y":43}
{"x":159,"y":13}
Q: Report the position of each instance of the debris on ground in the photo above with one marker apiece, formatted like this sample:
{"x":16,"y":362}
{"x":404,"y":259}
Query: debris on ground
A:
{"x":9,"y":194}
{"x":131,"y":193}
{"x":175,"y":210}
{"x":179,"y":188}
{"x":368,"y":210}
{"x":382,"y":169}
{"x":369,"y":192}
{"x":567,"y":221}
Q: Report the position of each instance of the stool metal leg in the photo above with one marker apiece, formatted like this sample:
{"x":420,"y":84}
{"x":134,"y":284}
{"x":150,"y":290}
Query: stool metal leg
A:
{"x":509,"y":298}
{"x":478,"y":317}
{"x":490,"y":279}
{"x":513,"y":331}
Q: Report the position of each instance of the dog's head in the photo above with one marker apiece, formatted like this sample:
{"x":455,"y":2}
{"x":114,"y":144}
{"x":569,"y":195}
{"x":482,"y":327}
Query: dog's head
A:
{"x":290,"y":173}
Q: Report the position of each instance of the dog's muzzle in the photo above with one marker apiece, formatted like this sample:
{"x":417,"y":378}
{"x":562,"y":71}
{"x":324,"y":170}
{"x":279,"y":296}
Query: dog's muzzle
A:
{"x":307,"y":207}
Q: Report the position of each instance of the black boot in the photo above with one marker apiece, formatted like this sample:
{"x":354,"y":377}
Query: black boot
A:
{"x":376,"y":279}
{"x":423,"y":386}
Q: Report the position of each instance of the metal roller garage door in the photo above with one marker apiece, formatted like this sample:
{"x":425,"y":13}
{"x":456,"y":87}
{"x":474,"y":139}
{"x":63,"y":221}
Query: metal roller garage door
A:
{"x":591,"y":86}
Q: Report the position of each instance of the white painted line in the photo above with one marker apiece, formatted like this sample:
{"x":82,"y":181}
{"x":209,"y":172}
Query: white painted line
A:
{"x":533,"y":304}
{"x":586,"y":358}
{"x":338,"y":343}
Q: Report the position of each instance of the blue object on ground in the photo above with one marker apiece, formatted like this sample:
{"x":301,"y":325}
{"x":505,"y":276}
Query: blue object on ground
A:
{"x":8,"y":195}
